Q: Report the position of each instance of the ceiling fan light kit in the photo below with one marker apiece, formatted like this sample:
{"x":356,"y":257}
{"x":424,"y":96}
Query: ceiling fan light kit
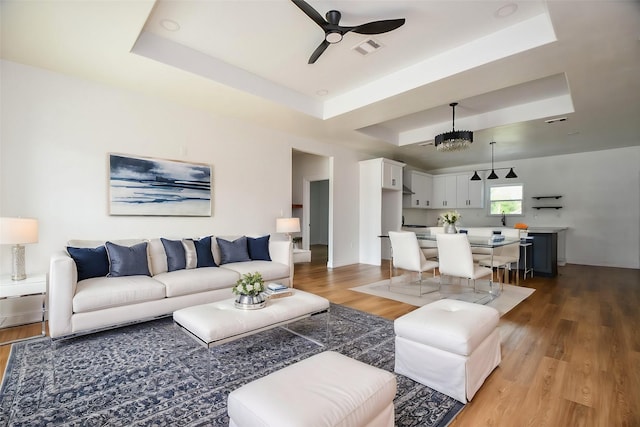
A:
{"x":455,"y":140}
{"x":493,"y":174}
{"x":333,"y":32}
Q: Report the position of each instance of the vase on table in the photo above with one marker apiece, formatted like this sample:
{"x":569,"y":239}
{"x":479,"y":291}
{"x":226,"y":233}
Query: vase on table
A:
{"x":250,"y":302}
{"x":450,"y":228}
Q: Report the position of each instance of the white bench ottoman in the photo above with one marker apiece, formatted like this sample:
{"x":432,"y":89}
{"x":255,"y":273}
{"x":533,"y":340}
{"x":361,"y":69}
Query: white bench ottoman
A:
{"x":327,"y":389}
{"x":451,"y":346}
{"x":219,"y":322}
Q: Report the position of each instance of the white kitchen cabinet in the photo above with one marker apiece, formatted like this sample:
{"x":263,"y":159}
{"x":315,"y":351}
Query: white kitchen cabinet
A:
{"x":421,"y":184}
{"x":380,"y":207}
{"x":444,"y":192}
{"x":391,"y":174}
{"x":469,"y":194}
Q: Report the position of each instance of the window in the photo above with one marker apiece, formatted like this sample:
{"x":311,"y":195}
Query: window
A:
{"x":506,"y":199}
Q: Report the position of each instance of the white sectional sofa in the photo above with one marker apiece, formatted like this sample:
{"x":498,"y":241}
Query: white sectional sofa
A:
{"x":103,"y":301}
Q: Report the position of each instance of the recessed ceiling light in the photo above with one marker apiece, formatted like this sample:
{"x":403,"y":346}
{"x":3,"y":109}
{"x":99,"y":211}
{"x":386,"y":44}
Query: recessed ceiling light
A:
{"x":169,"y":25}
{"x":506,"y":10}
{"x":556,"y":120}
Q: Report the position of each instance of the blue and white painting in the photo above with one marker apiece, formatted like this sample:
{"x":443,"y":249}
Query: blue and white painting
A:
{"x":145,"y":186}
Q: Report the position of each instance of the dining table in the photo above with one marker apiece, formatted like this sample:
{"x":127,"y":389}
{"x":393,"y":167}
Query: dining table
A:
{"x":488,"y":242}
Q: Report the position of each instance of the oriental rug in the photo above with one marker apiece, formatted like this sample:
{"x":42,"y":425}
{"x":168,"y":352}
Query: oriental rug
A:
{"x":153,"y":374}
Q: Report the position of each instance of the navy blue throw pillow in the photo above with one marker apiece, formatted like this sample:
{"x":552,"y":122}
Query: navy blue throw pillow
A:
{"x":259,"y":248}
{"x":90,"y":262}
{"x":235,"y":251}
{"x":203,"y":253}
{"x":128,"y":260}
{"x":176,"y":257}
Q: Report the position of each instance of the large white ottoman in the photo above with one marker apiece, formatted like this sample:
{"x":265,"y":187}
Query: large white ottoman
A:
{"x":451,"y":346}
{"x":327,"y":389}
{"x":219,"y":322}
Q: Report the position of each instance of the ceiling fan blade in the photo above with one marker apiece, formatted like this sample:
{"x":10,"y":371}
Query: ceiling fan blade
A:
{"x":310,"y":12}
{"x":319,"y":50}
{"x":379,"y":27}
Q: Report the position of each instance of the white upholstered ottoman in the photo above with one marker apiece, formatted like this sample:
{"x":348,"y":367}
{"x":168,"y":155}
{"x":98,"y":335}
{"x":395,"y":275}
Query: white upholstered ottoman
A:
{"x":448,"y":345}
{"x":328,"y":389}
{"x":219,"y":322}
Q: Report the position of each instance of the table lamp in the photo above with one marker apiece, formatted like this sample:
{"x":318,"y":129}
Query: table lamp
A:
{"x":288,"y":226}
{"x":17,"y":232}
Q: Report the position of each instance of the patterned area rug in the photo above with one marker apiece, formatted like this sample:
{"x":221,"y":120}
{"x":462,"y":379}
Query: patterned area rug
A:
{"x":153,"y":374}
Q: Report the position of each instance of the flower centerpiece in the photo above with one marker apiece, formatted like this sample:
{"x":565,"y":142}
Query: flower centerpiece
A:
{"x":449,"y":220}
{"x":249,"y":291}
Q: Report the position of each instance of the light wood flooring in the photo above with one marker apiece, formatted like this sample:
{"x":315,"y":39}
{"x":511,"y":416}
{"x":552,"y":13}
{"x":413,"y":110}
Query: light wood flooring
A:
{"x":570,"y":352}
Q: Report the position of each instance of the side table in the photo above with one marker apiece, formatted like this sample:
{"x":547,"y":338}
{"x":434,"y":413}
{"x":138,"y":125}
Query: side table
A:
{"x":32,"y":285}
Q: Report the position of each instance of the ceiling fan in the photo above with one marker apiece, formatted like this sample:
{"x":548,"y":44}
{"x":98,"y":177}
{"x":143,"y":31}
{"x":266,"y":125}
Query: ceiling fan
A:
{"x":333,"y":32}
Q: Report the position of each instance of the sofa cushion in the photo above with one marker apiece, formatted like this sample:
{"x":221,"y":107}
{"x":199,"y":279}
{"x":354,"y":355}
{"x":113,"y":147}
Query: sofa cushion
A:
{"x":268,"y":269}
{"x":235,"y":251}
{"x":203,"y":253}
{"x":90,"y":262}
{"x":258,"y":248}
{"x":176,"y":257}
{"x":184,"y":282}
{"x":127,"y":260}
{"x":104,"y":292}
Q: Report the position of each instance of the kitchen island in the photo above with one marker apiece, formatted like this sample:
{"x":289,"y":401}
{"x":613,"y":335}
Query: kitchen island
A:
{"x":548,"y":250}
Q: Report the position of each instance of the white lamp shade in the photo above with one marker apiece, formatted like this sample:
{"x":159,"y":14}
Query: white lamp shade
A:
{"x":287,"y":225}
{"x":17,"y":231}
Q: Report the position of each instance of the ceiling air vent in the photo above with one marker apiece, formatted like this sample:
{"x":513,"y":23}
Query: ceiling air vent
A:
{"x":368,"y":46}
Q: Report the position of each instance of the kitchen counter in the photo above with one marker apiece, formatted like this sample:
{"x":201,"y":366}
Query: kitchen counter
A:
{"x":546,"y":229}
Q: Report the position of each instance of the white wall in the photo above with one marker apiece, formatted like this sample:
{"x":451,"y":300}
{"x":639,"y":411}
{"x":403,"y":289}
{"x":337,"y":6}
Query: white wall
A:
{"x":600,"y":198}
{"x":56,"y":134}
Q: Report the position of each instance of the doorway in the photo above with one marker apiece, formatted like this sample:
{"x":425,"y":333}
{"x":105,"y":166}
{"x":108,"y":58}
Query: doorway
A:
{"x":319,"y":218}
{"x":311,"y":198}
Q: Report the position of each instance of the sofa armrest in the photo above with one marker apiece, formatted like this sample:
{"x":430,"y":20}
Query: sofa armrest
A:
{"x":63,"y":278}
{"x":282,"y":251}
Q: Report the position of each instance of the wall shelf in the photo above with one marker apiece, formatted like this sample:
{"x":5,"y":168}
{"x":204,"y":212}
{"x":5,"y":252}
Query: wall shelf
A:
{"x":543,"y":206}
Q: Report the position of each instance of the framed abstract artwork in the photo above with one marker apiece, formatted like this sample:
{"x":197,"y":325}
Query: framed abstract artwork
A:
{"x":158,"y":187}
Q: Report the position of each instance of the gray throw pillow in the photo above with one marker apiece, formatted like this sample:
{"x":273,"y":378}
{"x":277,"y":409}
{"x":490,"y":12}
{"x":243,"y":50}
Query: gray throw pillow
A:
{"x":127,"y":260}
{"x":235,"y":251}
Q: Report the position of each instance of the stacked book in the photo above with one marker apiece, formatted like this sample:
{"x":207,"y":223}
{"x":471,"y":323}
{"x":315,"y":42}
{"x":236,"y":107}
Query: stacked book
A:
{"x":277,"y":290}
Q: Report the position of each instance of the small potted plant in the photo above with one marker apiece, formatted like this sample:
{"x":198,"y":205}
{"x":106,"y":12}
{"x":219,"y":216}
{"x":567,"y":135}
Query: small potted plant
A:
{"x":449,"y":220}
{"x":249,"y":290}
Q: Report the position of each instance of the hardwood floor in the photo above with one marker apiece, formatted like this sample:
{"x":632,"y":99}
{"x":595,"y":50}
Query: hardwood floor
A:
{"x":570,"y":352}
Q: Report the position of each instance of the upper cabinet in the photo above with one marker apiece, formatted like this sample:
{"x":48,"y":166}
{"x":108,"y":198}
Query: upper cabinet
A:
{"x":444,"y":192}
{"x":469,"y":194}
{"x":421,"y":185}
{"x":391,"y":174}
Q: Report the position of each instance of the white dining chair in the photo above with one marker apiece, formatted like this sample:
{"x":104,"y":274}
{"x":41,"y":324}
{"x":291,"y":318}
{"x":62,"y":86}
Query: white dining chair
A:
{"x":504,"y":257}
{"x":456,"y":260}
{"x":407,"y":255}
